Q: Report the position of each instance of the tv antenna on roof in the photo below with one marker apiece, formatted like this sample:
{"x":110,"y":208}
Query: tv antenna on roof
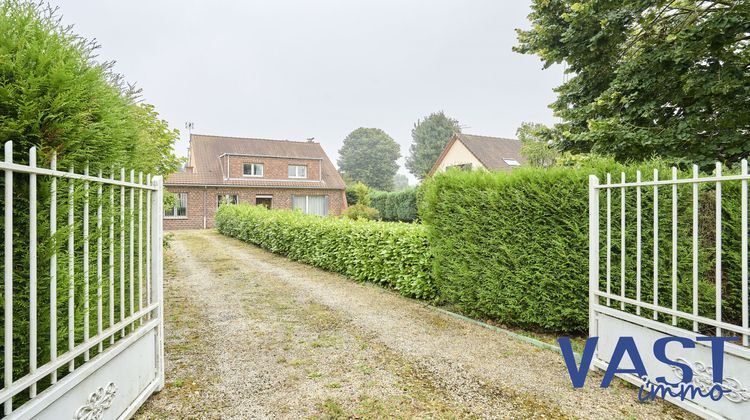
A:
{"x":310,"y":139}
{"x":189,"y":127}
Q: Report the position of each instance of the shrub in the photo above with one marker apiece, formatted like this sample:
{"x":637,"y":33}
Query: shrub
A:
{"x":514,"y":247}
{"x":56,"y":97}
{"x":360,"y":211}
{"x":391,"y":254}
{"x":397,"y":205}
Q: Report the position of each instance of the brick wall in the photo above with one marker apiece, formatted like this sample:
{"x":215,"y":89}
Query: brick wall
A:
{"x":200,"y":198}
{"x":273,"y":168}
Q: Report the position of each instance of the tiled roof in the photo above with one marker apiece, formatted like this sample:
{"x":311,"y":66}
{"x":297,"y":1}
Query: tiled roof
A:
{"x":205,"y":151}
{"x":492,"y":150}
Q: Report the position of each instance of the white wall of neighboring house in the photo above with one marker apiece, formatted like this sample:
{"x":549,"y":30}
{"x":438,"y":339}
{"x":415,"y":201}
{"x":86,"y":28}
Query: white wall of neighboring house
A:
{"x":458,"y":154}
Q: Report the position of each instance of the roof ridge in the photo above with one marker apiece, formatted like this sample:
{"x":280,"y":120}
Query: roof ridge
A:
{"x":490,"y":137}
{"x":254,"y":138}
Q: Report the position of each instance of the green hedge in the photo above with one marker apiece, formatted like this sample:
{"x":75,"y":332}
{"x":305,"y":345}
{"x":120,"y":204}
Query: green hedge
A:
{"x":391,"y":254}
{"x":397,"y":205}
{"x":514,"y":247}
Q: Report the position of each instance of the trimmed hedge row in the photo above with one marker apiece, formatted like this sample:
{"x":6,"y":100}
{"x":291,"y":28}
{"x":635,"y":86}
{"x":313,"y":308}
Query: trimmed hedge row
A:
{"x":397,"y":205}
{"x":392,"y":254}
{"x":514,"y":247}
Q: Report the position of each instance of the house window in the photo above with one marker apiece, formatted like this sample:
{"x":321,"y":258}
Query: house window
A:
{"x":297,"y":171}
{"x":311,"y":204}
{"x":226,"y":199}
{"x":252,"y":169}
{"x":180,"y":206}
{"x":511,"y":162}
{"x":264,"y":200}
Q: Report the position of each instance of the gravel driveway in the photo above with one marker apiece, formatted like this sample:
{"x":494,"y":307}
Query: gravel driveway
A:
{"x":254,"y":335}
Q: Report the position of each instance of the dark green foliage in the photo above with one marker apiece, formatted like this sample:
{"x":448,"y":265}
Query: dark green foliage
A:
{"x":429,"y":137}
{"x":391,"y":254}
{"x":396,"y":206}
{"x":351,"y":195}
{"x":514,"y":247}
{"x":369,"y":155}
{"x":54,"y":96}
{"x":648,"y":78}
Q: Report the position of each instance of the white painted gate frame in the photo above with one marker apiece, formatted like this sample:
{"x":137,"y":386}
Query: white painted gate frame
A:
{"x":609,"y":322}
{"x":115,"y":382}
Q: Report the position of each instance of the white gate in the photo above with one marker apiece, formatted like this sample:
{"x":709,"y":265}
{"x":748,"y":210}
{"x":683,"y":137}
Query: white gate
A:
{"x":91,"y":345}
{"x":674,"y":265}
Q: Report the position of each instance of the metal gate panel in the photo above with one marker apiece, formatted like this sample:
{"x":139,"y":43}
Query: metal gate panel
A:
{"x":115,"y":361}
{"x":618,"y":308}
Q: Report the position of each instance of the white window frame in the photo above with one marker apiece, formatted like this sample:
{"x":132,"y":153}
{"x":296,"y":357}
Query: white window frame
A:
{"x":220,"y":197}
{"x":296,"y":171}
{"x":174,"y":208}
{"x":307,"y":204}
{"x":253,"y":170}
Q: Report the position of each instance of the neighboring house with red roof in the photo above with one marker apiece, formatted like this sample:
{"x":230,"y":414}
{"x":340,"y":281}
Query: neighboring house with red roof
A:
{"x":469,"y":152}
{"x":278,"y":174}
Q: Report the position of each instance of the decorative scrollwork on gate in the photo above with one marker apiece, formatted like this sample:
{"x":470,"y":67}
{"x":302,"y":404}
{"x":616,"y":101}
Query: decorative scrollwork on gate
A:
{"x":98,"y":401}
{"x":703,"y":376}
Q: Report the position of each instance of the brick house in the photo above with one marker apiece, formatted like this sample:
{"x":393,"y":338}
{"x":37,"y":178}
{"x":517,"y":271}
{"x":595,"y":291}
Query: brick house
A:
{"x":278,"y":174}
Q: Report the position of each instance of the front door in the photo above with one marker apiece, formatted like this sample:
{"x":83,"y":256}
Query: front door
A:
{"x":264,"y":201}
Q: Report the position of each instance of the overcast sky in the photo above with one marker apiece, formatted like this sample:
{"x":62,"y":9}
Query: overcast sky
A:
{"x":286,"y":69}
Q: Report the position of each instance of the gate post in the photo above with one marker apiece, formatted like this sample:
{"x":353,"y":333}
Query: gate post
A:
{"x":593,"y":251}
{"x":157,"y":271}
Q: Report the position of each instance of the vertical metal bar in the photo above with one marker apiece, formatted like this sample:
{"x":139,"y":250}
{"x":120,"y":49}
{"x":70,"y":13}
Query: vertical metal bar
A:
{"x":140,"y":244}
{"x":99,"y":273}
{"x":695,"y":246}
{"x":743,"y":234}
{"x":53,"y":270}
{"x":609,"y":237}
{"x":148,"y":242}
{"x":112,"y":256}
{"x":71,"y":269}
{"x":8,"y":277}
{"x":86,"y":263}
{"x":156,"y":216}
{"x":656,"y":243}
{"x":674,"y":243}
{"x":122,"y":249}
{"x":638,"y":235}
{"x":718,"y":247}
{"x":593,"y":252}
{"x":131,"y":265}
{"x":622,"y":240}
{"x":32,"y":270}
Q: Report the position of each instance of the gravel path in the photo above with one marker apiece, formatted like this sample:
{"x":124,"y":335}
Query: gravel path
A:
{"x":254,"y":335}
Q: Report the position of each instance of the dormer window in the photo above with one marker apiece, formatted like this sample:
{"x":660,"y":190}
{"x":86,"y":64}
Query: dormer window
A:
{"x":252,"y":169}
{"x":297,"y":171}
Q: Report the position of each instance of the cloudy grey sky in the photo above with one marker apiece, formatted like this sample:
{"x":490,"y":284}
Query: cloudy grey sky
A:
{"x":292,"y":69}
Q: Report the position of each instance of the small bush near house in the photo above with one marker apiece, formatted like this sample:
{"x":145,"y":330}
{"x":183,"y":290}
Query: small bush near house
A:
{"x":396,"y":206}
{"x":391,"y":254}
{"x":360,"y":212}
{"x":514,"y":247}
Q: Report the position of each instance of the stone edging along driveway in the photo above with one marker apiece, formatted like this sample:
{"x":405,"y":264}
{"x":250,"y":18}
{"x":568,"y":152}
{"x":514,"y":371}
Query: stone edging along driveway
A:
{"x":254,"y":335}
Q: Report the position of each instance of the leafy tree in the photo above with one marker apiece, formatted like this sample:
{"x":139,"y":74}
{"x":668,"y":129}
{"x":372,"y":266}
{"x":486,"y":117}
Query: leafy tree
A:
{"x":535,"y":144}
{"x":400,"y":182}
{"x":665,"y":77}
{"x":369,"y":155}
{"x":429,"y":137}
